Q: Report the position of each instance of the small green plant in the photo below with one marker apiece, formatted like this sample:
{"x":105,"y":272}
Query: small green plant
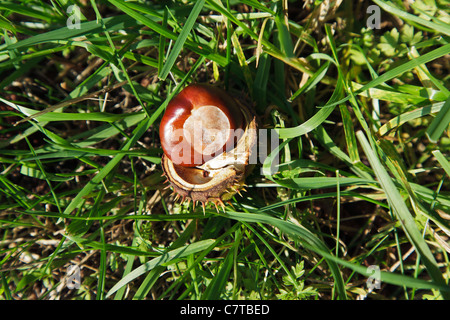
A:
{"x":295,"y":288}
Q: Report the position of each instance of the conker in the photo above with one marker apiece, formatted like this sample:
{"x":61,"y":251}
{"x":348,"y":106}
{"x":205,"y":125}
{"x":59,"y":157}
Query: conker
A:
{"x":201,"y":122}
{"x":207,"y":137}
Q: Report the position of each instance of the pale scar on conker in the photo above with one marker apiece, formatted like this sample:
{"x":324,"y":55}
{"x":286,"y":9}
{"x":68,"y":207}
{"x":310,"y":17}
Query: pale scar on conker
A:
{"x":207,"y":137}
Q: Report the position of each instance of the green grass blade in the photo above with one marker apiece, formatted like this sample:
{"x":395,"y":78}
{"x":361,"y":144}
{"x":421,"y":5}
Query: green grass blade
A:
{"x":181,"y":39}
{"x":408,"y":116}
{"x":86,"y":28}
{"x":165,"y":258}
{"x":242,"y":61}
{"x":41,"y":13}
{"x":350,"y":136}
{"x":443,"y":162}
{"x":316,"y":120}
{"x":440,"y":123}
{"x":38,"y":174}
{"x":215,"y":288}
{"x":162,"y":44}
{"x":284,"y":37}
{"x":102,"y":267}
{"x":309,"y":183}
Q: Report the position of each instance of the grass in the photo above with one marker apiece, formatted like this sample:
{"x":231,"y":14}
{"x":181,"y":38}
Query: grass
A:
{"x":362,"y":179}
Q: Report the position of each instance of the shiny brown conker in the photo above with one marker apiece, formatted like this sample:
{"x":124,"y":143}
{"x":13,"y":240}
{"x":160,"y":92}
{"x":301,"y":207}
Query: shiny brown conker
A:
{"x":199,"y":123}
